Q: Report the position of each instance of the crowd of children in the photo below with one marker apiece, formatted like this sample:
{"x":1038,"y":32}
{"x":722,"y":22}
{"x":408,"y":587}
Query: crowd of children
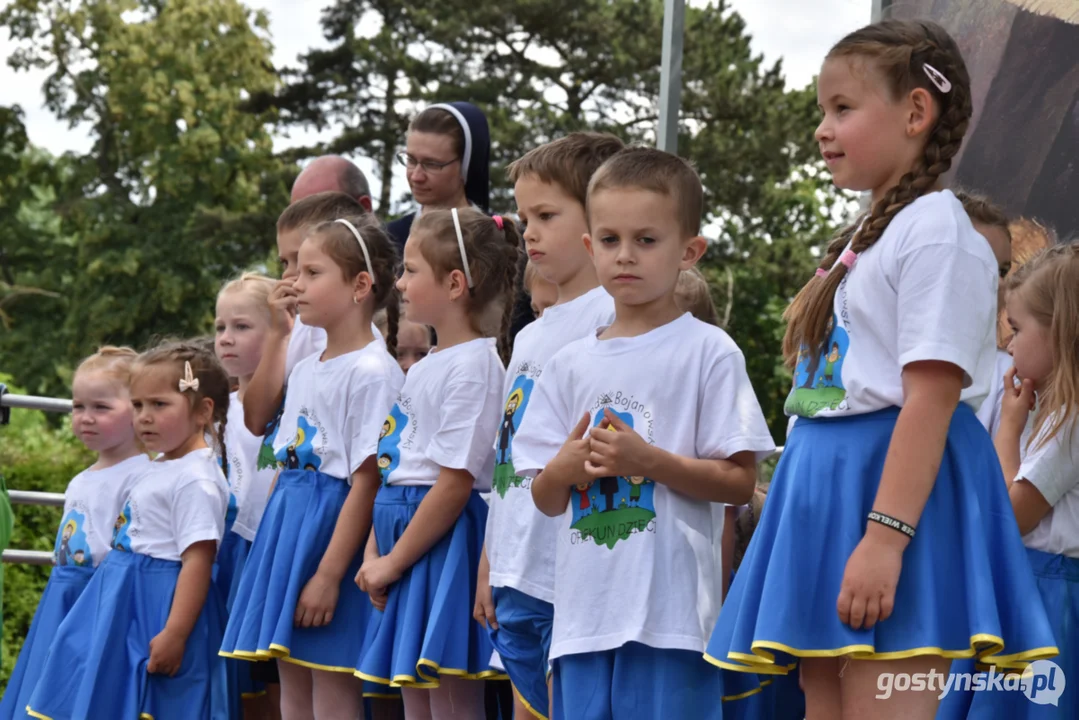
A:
{"x":327,"y":517}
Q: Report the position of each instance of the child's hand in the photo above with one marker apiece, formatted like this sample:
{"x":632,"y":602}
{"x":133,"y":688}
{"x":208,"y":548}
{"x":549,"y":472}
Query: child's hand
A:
{"x":282,"y":307}
{"x":1017,"y":402}
{"x":867,"y":594}
{"x":166,"y":653}
{"x":317,"y":601}
{"x":569,"y":463}
{"x":484,"y":611}
{"x":377,"y":575}
{"x":621,"y":453}
{"x":378,"y":596}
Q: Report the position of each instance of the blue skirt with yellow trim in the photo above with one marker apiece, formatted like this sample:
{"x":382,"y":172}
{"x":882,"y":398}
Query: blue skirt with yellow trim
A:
{"x":966,"y":584}
{"x":231,"y":558}
{"x":66,"y":584}
{"x":294,"y":533}
{"x":427,"y":628}
{"x":96,"y":667}
{"x":1057,"y":693}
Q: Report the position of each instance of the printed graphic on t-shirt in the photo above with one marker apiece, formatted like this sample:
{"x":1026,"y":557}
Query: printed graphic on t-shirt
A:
{"x":513,"y":412}
{"x":266,"y":458}
{"x":300,"y":454}
{"x":818,"y":380}
{"x":614,"y":508}
{"x":389,"y":442}
{"x":120,"y":538}
{"x":72,"y":545}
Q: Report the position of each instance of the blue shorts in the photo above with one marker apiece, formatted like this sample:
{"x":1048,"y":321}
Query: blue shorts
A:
{"x":637,"y":681}
{"x":523,"y":641}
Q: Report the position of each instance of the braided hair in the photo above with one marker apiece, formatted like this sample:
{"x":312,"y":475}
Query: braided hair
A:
{"x":493,"y":247}
{"x":899,"y":51}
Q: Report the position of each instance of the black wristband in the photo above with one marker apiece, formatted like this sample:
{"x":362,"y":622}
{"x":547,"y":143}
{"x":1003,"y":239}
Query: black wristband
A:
{"x":892,"y":522}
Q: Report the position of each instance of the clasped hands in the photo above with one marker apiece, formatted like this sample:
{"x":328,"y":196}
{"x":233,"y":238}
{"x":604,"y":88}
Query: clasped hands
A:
{"x":611,"y":449}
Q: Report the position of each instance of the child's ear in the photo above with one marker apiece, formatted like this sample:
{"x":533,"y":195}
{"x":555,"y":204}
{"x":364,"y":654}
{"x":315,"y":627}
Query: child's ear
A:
{"x":204,"y":412}
{"x":456,"y":284}
{"x":921,"y":112}
{"x":362,"y":285}
{"x":588,"y":244}
{"x":692,"y":252}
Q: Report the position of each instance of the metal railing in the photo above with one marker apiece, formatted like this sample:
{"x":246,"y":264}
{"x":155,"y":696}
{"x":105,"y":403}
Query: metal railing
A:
{"x":30,"y":497}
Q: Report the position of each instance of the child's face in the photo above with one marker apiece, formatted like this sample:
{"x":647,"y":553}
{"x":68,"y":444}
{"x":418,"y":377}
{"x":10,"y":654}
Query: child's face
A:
{"x":1030,"y":345}
{"x":863,"y":134}
{"x":543,"y":294}
{"x":323,"y":296}
{"x":1002,"y":251}
{"x":423,"y":297}
{"x":638,"y":245}
{"x":165,"y":422}
{"x":413,"y":344}
{"x":288,"y":250}
{"x":555,"y":226}
{"x":240,"y":327}
{"x":101,"y":415}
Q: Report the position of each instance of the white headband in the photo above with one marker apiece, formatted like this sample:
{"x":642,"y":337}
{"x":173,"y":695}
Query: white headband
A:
{"x":466,"y":131}
{"x":461,"y":246}
{"x":363,"y":247}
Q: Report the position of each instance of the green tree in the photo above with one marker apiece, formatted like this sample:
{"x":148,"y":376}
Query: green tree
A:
{"x":180,"y":188}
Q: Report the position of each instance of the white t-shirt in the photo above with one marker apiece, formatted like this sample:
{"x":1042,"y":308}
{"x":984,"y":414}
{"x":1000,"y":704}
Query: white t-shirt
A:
{"x":926,"y":290}
{"x":445,"y":416}
{"x":250,"y":472}
{"x":177,"y":504}
{"x":520,"y":539}
{"x":334,"y":410}
{"x":1053,"y":469}
{"x":989,"y":412}
{"x":307,"y":340}
{"x":635,"y":560}
{"x":92,"y":502}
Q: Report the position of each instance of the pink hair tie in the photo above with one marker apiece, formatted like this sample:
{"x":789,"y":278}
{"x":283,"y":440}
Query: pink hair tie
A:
{"x":498,"y":221}
{"x":848,"y":257}
{"x":822,"y":273}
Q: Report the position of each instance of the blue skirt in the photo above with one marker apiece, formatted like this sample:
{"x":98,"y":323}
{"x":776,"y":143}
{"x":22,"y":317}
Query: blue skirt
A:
{"x":1057,"y":695}
{"x":427,"y":628}
{"x":966,"y":584}
{"x":96,"y":667}
{"x":65,"y":585}
{"x":294,"y":533}
{"x":231,"y":558}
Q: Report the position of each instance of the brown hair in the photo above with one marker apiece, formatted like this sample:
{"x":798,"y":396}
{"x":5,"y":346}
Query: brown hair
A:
{"x":439,"y":121}
{"x":981,"y":210}
{"x":116,"y":362}
{"x":693,"y":295}
{"x":899,"y":50}
{"x":646,"y":168}
{"x":493,"y":256}
{"x":1049,"y":287}
{"x":569,"y":162}
{"x":338,"y":242}
{"x":213,"y":382}
{"x":318,"y":208}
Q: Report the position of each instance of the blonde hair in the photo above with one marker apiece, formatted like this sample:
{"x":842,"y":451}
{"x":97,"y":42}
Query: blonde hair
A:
{"x":1048,"y":285}
{"x":116,"y":362}
{"x":693,"y":295}
{"x":255,"y":286}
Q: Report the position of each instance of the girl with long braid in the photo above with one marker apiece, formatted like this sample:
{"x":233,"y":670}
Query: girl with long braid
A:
{"x":888,"y":534}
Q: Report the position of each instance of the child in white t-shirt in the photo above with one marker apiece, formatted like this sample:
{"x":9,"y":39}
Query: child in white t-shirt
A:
{"x":435,"y":456}
{"x":885,"y":545}
{"x":1038,"y":446}
{"x":142,"y":639}
{"x":515,"y":588}
{"x":296,"y":599}
{"x":101,"y":420}
{"x":631,"y":434}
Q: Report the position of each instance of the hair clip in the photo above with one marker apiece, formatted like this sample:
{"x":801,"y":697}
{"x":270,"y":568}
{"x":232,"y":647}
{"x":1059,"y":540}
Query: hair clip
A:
{"x":848,"y":257}
{"x":937,"y":78}
{"x":498,"y":221}
{"x":363,"y":249}
{"x":822,"y":273}
{"x":188,"y":381}
{"x":461,"y":247}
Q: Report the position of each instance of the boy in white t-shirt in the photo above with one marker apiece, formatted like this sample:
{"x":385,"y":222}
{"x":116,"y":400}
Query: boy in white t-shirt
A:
{"x":636,"y":430}
{"x":515,"y":588}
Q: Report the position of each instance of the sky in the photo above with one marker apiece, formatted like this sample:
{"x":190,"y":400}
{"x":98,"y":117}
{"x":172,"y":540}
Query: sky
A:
{"x":797,"y":31}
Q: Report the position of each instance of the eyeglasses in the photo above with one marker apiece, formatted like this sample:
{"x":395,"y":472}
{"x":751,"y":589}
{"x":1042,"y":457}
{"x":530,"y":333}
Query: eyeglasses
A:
{"x":431,"y":167}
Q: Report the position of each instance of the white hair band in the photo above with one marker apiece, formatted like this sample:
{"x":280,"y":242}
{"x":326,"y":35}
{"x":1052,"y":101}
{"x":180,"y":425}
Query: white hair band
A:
{"x":461,"y":247}
{"x":363,"y":247}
